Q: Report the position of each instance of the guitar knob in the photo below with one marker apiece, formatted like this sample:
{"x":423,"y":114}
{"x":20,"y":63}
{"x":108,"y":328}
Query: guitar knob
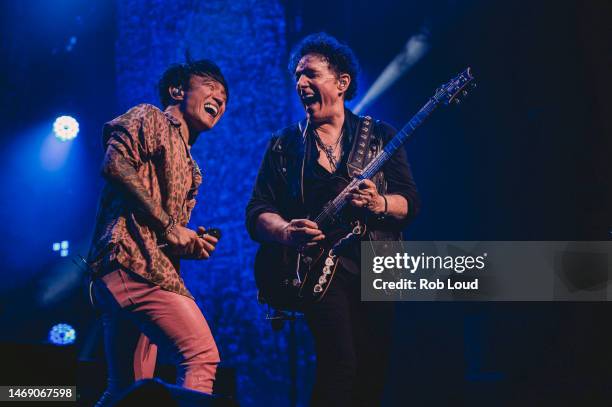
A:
{"x":457,"y":101}
{"x":464,"y":93}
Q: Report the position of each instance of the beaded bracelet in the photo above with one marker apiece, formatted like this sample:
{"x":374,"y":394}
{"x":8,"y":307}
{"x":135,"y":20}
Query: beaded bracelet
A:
{"x":169,"y":227}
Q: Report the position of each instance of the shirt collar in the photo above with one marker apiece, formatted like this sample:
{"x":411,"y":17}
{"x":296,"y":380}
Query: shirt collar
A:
{"x":351,"y":121}
{"x":175,"y":122}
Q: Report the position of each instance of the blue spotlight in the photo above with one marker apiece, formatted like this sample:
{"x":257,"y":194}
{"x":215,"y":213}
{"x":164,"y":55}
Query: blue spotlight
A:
{"x":65,"y":128}
{"x":413,"y":51}
{"x":62,"y":334}
{"x":62,"y":247}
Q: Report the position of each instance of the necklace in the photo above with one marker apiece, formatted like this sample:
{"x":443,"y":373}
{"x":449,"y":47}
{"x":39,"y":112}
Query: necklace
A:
{"x":329,"y":149}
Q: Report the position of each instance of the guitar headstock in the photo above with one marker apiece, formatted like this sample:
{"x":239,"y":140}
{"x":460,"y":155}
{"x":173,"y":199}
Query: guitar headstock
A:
{"x":456,"y":88}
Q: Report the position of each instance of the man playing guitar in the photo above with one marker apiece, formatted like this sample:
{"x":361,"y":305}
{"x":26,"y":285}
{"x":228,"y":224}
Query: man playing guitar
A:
{"x":305,"y":166}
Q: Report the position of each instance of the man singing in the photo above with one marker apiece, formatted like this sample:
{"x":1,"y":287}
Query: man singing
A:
{"x":141,"y":233}
{"x":297,"y":177}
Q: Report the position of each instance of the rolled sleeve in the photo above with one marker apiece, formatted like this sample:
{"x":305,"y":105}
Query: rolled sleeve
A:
{"x":399,"y":177}
{"x":134,"y":135}
{"x":265,"y":195}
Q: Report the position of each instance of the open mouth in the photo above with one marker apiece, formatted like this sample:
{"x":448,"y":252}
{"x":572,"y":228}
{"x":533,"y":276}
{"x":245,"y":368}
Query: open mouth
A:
{"x":309,"y":99}
{"x":211,"y":109}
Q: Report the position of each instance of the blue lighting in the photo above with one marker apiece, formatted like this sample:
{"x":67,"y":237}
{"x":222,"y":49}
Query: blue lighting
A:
{"x":62,"y":334}
{"x":65,"y":128}
{"x":62,"y":247}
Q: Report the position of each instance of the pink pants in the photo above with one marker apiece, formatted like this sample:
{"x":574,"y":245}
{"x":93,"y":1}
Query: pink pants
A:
{"x":139,"y":316}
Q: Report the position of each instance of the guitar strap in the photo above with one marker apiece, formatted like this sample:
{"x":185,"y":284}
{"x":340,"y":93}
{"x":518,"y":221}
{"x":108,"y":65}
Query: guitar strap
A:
{"x":357,"y":160}
{"x":358,"y":157}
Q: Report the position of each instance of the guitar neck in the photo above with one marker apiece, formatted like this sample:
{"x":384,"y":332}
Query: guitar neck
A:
{"x":332,"y":209}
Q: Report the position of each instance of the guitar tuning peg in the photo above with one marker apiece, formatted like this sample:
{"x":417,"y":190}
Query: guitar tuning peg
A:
{"x":473,"y":85}
{"x":464,"y":93}
{"x":457,"y":101}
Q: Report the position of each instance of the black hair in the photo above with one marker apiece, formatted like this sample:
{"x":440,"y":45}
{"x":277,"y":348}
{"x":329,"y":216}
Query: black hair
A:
{"x":178,"y":75}
{"x":340,"y":57}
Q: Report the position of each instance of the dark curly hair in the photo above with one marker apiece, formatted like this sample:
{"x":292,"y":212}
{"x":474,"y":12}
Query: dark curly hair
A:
{"x":178,"y":75}
{"x":340,"y":57}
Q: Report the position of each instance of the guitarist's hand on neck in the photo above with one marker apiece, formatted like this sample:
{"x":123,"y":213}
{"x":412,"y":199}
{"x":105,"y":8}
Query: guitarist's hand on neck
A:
{"x":366,"y":196}
{"x":272,"y":227}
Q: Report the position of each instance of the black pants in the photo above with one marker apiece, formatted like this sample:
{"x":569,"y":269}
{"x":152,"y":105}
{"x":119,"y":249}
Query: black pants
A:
{"x":352,"y":343}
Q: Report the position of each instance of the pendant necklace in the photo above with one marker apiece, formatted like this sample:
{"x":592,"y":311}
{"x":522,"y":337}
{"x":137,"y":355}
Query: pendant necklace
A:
{"x":329,"y":149}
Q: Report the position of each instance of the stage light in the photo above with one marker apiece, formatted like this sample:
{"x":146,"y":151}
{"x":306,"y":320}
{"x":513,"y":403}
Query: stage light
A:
{"x":62,"y":247}
{"x":65,"y":128}
{"x":416,"y":47}
{"x":62,"y":334}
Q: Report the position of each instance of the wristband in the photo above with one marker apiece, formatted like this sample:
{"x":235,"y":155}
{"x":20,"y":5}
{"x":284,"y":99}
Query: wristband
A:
{"x":383,"y":215}
{"x":386,"y":207}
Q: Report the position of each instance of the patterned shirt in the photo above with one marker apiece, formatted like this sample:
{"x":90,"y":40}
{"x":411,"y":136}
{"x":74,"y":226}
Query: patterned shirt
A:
{"x":150,"y":175}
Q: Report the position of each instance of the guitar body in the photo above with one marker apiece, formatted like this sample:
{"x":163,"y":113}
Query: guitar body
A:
{"x":276,"y":276}
{"x":286,"y":279}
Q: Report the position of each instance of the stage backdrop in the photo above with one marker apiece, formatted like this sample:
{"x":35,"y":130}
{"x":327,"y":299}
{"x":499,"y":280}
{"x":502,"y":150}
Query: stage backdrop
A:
{"x":248,"y":40}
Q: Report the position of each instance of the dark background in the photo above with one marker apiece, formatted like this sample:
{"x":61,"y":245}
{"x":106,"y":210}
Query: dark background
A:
{"x":525,"y":157}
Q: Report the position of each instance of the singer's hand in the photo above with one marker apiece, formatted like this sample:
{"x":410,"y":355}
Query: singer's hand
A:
{"x":181,"y":239}
{"x":204,"y":245}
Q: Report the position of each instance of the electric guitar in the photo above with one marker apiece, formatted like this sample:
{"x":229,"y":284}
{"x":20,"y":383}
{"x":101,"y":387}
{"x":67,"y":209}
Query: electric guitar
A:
{"x":287,"y":278}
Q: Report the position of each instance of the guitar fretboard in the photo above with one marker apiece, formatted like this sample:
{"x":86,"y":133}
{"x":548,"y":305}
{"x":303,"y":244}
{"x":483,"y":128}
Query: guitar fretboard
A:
{"x":337,"y":204}
{"x":444,"y":94}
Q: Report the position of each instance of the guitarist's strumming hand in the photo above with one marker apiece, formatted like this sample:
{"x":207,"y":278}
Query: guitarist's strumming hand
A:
{"x":301,"y":233}
{"x":365,"y":195}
